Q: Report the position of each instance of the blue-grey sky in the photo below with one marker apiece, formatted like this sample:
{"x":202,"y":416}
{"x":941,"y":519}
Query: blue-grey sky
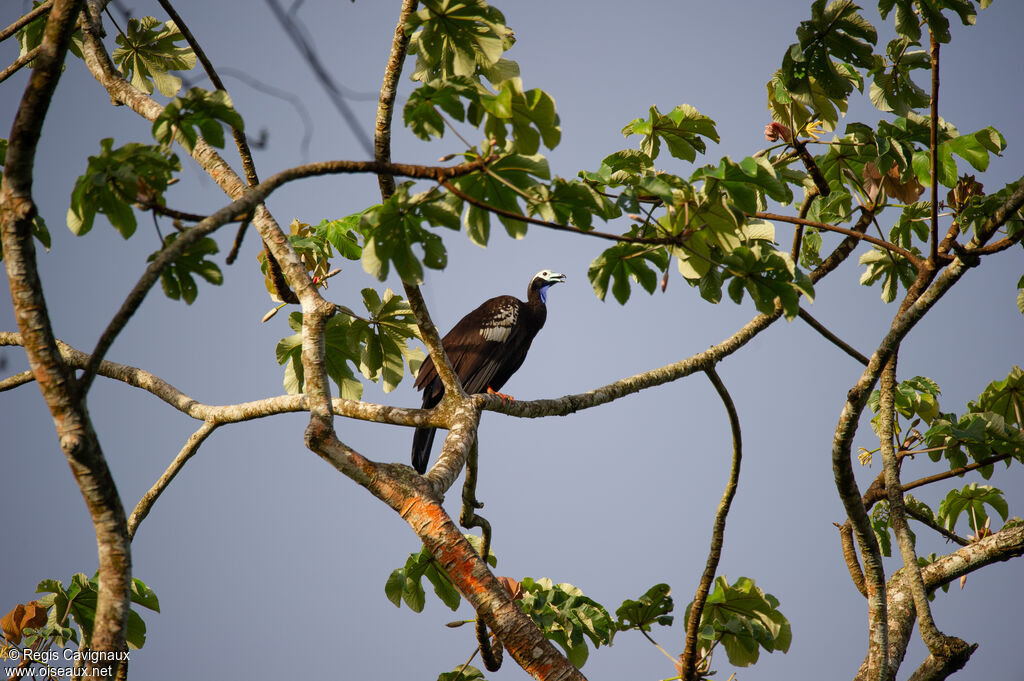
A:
{"x":269,"y":563}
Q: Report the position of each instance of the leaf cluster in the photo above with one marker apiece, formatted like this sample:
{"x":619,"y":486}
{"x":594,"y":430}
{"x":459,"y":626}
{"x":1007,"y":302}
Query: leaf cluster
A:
{"x":117,"y":178}
{"x":744,"y":620}
{"x":178,"y":280}
{"x":148,"y":51}
{"x":77,"y":603}
{"x":377,"y":346}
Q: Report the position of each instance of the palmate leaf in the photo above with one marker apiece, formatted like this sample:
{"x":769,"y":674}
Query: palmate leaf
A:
{"x":199,"y":112}
{"x":973,"y":148}
{"x":571,"y":202}
{"x":838,"y":31}
{"x":377,"y":346}
{"x":681,"y":130}
{"x":79,"y":600}
{"x":745,"y":183}
{"x":391,"y":229}
{"x":744,"y":620}
{"x":623,"y":263}
{"x":114,"y":180}
{"x":567,"y":617}
{"x":456,"y":37}
{"x":971,"y":500}
{"x":530,"y":114}
{"x":148,"y":53}
{"x":177,"y":278}
{"x":908,"y":25}
{"x":341,"y":337}
{"x":405,"y":583}
{"x":893,"y":89}
{"x":651,"y":608}
{"x":502,"y":186}
{"x":30,"y":36}
{"x":1005,"y":397}
{"x":386,"y":347}
{"x":889,"y":268}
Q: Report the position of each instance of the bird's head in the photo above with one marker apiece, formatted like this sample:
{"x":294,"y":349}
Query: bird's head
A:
{"x":542,"y":280}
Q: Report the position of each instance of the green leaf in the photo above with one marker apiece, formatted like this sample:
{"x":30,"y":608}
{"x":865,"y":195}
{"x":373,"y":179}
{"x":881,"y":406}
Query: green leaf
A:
{"x":177,"y":278}
{"x":505,"y":183}
{"x":114,"y":180}
{"x":390,"y":230}
{"x":625,"y":262}
{"x":342,"y":335}
{"x":651,"y":608}
{"x":342,"y":235}
{"x":30,"y":36}
{"x":745,"y":183}
{"x":1004,"y":397}
{"x":836,"y":31}
{"x":893,"y":89}
{"x":464,"y":672}
{"x":681,"y":129}
{"x":567,"y":617}
{"x":148,"y":53}
{"x":199,"y":112}
{"x":971,"y":500}
{"x":457,"y":38}
{"x":888,"y":267}
{"x":531,"y":116}
{"x":744,"y":620}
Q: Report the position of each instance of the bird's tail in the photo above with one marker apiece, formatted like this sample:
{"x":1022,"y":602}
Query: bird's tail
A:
{"x":422,"y":441}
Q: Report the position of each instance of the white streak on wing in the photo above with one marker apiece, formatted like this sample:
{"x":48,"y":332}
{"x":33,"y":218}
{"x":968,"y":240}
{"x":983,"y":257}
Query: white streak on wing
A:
{"x":499,"y":327}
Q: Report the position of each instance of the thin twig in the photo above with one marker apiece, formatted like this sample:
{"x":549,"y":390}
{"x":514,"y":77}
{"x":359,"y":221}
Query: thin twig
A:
{"x":145,"y":504}
{"x":19,"y":63}
{"x":25,"y":19}
{"x":675,"y":240}
{"x":914,"y":260}
{"x":831,"y":337}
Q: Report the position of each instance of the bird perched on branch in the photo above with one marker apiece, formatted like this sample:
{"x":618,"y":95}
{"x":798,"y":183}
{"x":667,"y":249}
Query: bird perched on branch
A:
{"x":485,"y":348}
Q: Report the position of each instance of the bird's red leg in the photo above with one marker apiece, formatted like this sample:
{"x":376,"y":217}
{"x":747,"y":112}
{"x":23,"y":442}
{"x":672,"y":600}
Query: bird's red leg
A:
{"x":504,"y":398}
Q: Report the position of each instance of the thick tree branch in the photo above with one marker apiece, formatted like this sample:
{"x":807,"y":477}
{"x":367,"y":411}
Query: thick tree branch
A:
{"x":408,"y":494}
{"x":78,"y":440}
{"x":230,"y":413}
{"x":933,"y":149}
{"x":944,"y":647}
{"x":1000,"y":546}
{"x":689,"y":657}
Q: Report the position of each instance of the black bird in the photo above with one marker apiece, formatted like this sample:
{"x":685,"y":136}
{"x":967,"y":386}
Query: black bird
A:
{"x":485,"y":348}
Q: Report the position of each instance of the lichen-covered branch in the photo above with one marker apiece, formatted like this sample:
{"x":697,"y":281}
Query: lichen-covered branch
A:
{"x":1000,"y":546}
{"x":55,"y":379}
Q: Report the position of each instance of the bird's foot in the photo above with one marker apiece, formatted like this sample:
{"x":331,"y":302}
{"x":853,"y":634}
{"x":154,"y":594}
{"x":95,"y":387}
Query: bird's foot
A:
{"x":505,"y":399}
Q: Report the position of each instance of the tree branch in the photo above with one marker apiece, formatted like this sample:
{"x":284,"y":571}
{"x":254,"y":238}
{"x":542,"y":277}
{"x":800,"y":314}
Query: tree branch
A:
{"x":145,"y":504}
{"x":25,"y":19}
{"x":18,"y":63}
{"x":913,"y":259}
{"x":831,"y":337}
{"x":933,"y":148}
{"x":78,"y":439}
{"x":689,"y":656}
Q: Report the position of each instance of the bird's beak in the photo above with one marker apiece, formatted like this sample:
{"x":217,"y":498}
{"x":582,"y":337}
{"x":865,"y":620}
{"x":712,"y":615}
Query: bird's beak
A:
{"x":556,"y":278}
